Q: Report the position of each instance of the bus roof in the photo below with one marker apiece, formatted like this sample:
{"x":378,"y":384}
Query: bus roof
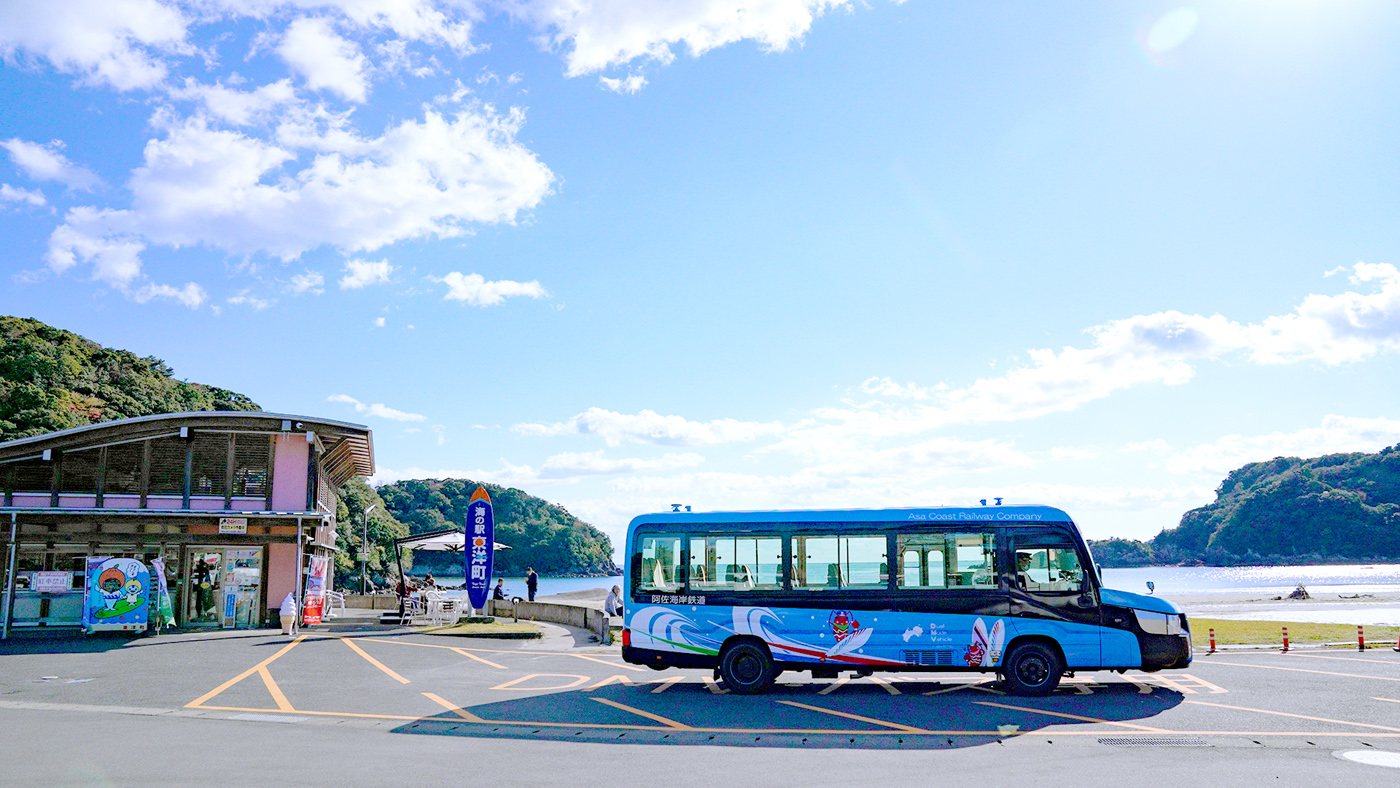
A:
{"x":1009,"y":515}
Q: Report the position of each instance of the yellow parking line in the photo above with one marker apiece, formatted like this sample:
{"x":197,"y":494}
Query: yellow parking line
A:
{"x":1304,"y":670}
{"x":482,"y":660}
{"x":275,"y":690}
{"x":609,"y":664}
{"x":653,"y":717}
{"x":373,"y":661}
{"x":241,"y":676}
{"x":458,"y":710}
{"x":857,"y":717}
{"x":1296,"y":716}
{"x":1144,"y":728}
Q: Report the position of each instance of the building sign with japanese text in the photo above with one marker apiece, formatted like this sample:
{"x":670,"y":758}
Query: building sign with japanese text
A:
{"x":476,"y":558}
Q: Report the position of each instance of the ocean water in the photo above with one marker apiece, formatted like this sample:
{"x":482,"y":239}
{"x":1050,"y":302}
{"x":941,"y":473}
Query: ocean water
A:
{"x":515,"y":586}
{"x":1264,"y":580}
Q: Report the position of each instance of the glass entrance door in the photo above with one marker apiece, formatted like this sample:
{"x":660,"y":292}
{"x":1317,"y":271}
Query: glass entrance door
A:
{"x":242,"y":586}
{"x":204,"y":587}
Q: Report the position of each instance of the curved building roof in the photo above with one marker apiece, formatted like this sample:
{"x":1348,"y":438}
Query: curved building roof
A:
{"x":349,"y":448}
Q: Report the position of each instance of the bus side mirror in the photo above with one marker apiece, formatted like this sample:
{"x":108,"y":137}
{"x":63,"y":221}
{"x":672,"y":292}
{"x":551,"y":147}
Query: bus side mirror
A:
{"x":1098,"y":570}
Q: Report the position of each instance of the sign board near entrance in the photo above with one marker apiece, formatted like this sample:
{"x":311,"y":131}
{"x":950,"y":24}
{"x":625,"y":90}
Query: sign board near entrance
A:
{"x":233,"y":525}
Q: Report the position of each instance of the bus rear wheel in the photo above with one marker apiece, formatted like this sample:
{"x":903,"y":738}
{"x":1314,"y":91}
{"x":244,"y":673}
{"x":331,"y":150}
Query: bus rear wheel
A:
{"x":747,"y":669}
{"x":1033,"y":669}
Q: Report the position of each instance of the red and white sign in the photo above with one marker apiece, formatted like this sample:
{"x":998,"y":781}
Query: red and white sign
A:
{"x":52,"y":582}
{"x":315,"y":589}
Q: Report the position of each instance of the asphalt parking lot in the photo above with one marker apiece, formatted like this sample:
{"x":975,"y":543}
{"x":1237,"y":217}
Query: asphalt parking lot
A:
{"x":561,"y":697}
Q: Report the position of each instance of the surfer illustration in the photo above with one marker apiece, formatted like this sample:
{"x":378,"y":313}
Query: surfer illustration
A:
{"x":111,"y":581}
{"x":985,"y":648}
{"x":849,"y":636}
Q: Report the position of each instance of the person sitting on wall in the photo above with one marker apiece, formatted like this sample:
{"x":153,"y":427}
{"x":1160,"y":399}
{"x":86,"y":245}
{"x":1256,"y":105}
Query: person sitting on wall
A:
{"x":499,"y":592}
{"x":428,"y":581}
{"x":613,"y":604}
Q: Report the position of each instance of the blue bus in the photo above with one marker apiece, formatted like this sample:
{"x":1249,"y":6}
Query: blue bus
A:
{"x":1010,"y":590}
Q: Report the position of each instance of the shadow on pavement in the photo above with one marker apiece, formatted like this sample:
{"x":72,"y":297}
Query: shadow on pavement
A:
{"x":860,"y":716}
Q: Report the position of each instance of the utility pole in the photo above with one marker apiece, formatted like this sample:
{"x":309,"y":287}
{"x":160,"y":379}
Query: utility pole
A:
{"x":364,"y":549}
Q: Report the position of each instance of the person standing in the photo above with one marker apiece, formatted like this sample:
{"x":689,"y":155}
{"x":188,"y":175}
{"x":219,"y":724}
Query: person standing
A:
{"x":532,"y":582}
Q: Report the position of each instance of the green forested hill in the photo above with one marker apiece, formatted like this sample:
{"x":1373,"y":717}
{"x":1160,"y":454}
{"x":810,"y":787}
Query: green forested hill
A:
{"x":1341,"y":507}
{"x":540,"y":534}
{"x":51,"y":380}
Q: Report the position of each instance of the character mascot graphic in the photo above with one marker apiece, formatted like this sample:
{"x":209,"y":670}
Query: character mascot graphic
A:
{"x":117,"y":590}
{"x":985,"y":648}
{"x":849,"y":636}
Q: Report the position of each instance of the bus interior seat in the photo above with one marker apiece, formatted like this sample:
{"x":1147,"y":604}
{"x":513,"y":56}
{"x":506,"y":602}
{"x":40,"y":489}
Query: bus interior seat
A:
{"x":738,"y":575}
{"x":834,"y":578}
{"x":658,"y":579}
{"x":697,"y":574}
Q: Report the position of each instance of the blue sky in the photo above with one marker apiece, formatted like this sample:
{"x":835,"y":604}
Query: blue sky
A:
{"x":789,"y":254}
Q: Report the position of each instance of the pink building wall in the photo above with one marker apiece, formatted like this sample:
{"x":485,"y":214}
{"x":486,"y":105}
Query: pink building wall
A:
{"x":250,"y":504}
{"x":121,"y":502}
{"x":77,"y":501}
{"x":281,"y":572}
{"x":30,"y":499}
{"x":289,"y":474}
{"x":206,"y":504}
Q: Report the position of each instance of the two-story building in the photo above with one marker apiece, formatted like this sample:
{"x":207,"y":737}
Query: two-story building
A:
{"x":234,"y":503}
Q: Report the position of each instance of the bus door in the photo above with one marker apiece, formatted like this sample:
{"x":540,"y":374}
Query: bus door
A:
{"x":1049,"y":586}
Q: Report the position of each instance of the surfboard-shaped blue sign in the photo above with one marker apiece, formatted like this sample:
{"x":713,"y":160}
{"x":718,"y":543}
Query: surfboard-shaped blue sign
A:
{"x":481,"y":531}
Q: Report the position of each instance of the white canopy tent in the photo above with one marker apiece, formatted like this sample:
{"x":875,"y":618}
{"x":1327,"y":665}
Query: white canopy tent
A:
{"x":451,"y":540}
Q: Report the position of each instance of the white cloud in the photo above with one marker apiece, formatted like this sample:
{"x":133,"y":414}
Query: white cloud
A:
{"x":429,"y":178}
{"x":441,"y":431}
{"x":239,"y":107}
{"x":434,"y":21}
{"x":1336,"y":434}
{"x":631,"y":84}
{"x":361,"y":273}
{"x":10,"y":193}
{"x":651,"y":427}
{"x":476,"y":291}
{"x":379,"y":322}
{"x":603,"y":33}
{"x":569,"y":465}
{"x":309,"y":281}
{"x":92,"y":236}
{"x":327,"y":61}
{"x":244,"y":299}
{"x":378,"y":410}
{"x":117,"y":42}
{"x":1156,"y":348}
{"x":191,"y":295}
{"x":47,"y":163}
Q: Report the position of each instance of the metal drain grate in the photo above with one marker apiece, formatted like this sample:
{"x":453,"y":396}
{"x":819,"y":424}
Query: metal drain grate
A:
{"x":1154,"y":741}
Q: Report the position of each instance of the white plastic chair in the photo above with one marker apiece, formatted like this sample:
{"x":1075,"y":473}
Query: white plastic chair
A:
{"x":334,"y":599}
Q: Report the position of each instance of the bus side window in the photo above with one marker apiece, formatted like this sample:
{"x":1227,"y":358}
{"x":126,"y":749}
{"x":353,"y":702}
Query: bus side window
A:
{"x":660,"y":564}
{"x":740,"y":562}
{"x":1048,"y":563}
{"x":828,"y":563}
{"x":921,"y":561}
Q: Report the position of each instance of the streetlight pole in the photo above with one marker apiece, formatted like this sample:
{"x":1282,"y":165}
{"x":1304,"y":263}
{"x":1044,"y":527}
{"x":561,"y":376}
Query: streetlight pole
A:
{"x":364,"y":549}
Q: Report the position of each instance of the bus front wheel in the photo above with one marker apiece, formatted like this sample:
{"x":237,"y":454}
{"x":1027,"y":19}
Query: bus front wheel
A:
{"x":746,"y":668}
{"x":1033,"y":669}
